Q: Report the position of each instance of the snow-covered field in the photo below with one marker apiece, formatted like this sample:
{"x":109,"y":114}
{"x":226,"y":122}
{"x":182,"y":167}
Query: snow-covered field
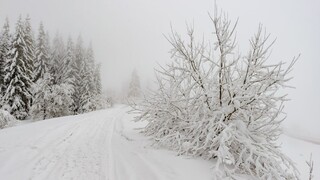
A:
{"x":107,"y":144}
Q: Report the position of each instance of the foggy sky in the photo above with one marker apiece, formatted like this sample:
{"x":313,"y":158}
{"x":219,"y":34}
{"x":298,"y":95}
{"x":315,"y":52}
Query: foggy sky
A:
{"x":128,"y":34}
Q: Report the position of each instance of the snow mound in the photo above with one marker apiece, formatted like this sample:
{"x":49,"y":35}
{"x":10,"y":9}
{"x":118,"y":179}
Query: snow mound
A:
{"x":6,"y":119}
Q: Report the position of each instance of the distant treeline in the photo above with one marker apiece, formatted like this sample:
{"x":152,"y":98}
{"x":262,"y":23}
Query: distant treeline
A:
{"x":43,"y":78}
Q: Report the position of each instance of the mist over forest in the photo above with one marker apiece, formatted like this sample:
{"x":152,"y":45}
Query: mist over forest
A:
{"x":201,"y":75}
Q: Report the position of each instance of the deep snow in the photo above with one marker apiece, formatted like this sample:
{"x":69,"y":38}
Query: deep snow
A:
{"x":107,"y":144}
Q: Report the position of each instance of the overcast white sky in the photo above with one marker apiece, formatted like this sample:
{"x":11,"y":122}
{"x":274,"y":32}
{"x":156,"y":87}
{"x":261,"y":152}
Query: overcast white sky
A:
{"x":128,"y":34}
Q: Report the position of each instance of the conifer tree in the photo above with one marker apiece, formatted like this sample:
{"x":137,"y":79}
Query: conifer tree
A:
{"x":97,"y":79}
{"x":5,"y":41}
{"x":90,"y":71}
{"x":87,"y":86}
{"x":17,"y":75}
{"x":85,"y":89}
{"x":30,"y":45}
{"x":134,"y":86}
{"x":83,"y":79}
{"x":77,"y":65}
{"x":48,"y":45}
{"x":69,"y":74}
{"x":42,"y":57}
{"x":66,"y":64}
{"x":97,"y":100}
{"x":57,"y":59}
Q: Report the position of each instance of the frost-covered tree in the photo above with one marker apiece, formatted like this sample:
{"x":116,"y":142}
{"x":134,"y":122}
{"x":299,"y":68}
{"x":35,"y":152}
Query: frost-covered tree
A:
{"x":30,"y":45}
{"x":90,"y":68}
{"x":18,"y":70}
{"x":77,"y":75}
{"x":57,"y":60}
{"x":86,"y":79}
{"x":66,"y":78}
{"x":84,"y":90}
{"x":5,"y":41}
{"x":67,"y":69}
{"x":88,"y":86}
{"x":218,"y":104}
{"x":42,"y":56}
{"x":64,"y":57}
{"x":41,"y":89}
{"x":97,"y":79}
{"x":51,"y":100}
{"x":48,"y":43}
{"x":134,"y":90}
{"x":53,"y":89}
{"x":61,"y":100}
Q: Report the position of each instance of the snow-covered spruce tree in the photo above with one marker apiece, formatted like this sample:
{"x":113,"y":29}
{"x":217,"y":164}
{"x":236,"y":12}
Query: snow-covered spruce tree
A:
{"x":30,"y":49}
{"x":215,"y":103}
{"x":134,"y":90}
{"x":80,"y":94}
{"x":48,"y":44}
{"x":100,"y":100}
{"x":18,"y":75}
{"x":97,"y":79}
{"x":30,"y":45}
{"x":5,"y":41}
{"x":68,"y":60}
{"x":90,"y":98}
{"x":57,"y":60}
{"x":42,"y":56}
{"x":91,"y":68}
{"x":86,"y":96}
{"x":61,"y":59}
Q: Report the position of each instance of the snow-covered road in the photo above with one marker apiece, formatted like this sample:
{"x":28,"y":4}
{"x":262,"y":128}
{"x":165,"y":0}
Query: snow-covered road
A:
{"x":106,"y":145}
{"x":98,"y":145}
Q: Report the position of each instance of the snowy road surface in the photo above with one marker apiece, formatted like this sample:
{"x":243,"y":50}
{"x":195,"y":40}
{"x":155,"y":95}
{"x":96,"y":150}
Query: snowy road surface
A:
{"x":97,"y":145}
{"x":106,"y":145}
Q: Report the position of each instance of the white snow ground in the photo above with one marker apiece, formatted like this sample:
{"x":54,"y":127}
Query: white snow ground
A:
{"x":107,"y":145}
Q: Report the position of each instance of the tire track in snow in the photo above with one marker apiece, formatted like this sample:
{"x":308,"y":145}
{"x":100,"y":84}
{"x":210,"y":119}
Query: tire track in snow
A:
{"x":128,"y":163}
{"x":111,"y":174}
{"x":100,"y":145}
{"x":83,"y":157}
{"x":48,"y":157}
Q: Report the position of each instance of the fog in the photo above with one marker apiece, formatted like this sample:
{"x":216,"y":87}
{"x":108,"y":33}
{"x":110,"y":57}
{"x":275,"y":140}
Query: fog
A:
{"x":128,"y":34}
